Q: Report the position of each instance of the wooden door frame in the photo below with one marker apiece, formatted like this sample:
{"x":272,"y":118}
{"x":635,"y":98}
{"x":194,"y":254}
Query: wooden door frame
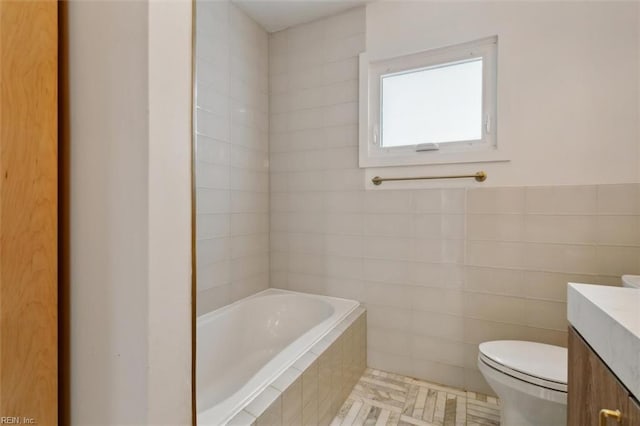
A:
{"x":29,"y":210}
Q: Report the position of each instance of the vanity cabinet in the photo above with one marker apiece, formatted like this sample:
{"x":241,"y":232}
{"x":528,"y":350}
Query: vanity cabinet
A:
{"x":634,"y":412}
{"x":592,"y":387}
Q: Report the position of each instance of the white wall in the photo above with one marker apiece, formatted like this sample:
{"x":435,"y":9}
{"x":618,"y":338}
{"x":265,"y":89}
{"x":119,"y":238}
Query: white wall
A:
{"x":108,"y":216}
{"x":169,"y":213}
{"x":129,"y":212}
{"x":567,"y":82}
{"x":232,"y":155}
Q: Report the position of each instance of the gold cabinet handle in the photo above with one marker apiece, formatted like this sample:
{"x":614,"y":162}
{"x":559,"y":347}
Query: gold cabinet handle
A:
{"x":605,"y":414}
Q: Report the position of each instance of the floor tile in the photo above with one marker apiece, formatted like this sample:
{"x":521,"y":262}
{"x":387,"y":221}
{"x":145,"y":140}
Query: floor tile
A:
{"x":381,"y":398}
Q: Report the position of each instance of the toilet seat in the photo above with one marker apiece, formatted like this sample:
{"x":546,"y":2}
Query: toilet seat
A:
{"x":534,"y":363}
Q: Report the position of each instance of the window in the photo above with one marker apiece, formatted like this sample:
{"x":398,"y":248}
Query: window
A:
{"x":432,"y":107}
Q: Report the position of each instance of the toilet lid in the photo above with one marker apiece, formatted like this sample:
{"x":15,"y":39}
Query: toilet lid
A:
{"x":535,"y":362}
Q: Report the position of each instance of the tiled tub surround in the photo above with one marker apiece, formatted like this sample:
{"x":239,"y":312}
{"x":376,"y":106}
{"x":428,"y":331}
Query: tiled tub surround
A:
{"x":232,"y":177}
{"x":312,"y":390}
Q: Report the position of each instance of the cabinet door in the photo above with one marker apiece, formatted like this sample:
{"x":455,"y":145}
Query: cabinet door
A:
{"x":592,"y":386}
{"x":633,"y":417}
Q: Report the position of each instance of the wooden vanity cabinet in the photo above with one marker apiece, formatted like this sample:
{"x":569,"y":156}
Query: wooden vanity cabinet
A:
{"x":634,"y":412}
{"x":592,"y":387}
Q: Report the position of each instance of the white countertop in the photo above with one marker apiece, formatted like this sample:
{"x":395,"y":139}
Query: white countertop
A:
{"x":608,"y":318}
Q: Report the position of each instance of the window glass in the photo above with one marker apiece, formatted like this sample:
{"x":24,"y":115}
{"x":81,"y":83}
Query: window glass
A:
{"x":439,"y":104}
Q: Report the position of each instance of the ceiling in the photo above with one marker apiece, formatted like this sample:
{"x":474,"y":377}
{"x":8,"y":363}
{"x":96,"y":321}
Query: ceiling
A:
{"x":280,"y":14}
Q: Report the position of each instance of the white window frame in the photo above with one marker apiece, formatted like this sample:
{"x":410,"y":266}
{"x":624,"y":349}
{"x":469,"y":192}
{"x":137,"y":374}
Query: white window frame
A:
{"x":372,"y":154}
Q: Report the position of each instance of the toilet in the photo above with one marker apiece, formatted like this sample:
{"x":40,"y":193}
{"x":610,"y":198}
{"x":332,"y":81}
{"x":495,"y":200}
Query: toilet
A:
{"x":530,"y":378}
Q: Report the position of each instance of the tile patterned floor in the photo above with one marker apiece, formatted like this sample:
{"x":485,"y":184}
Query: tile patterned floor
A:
{"x":380,"y":398}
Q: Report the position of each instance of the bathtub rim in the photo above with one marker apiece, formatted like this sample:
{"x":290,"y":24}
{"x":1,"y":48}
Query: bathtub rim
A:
{"x":217,"y":312}
{"x":264,"y":384}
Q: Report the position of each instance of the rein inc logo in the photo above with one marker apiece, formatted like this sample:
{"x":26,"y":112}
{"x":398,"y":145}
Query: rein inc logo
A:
{"x":5,"y":420}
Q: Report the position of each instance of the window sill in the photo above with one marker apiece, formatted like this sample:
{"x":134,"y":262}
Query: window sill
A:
{"x":434,"y":157}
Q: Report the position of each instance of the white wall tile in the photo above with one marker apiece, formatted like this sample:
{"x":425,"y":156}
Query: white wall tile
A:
{"x":312,"y":243}
{"x":348,"y":47}
{"x":561,"y":200}
{"x":249,"y":223}
{"x":212,"y":125}
{"x":388,"y":201}
{"x":386,"y":271}
{"x":494,"y":307}
{"x":213,"y":176}
{"x":495,"y":227}
{"x":212,"y":201}
{"x":341,"y":70}
{"x":437,"y":299}
{"x":347,"y":288}
{"x":343,"y":180}
{"x":344,"y":245}
{"x":437,"y":349}
{"x":437,"y":324}
{"x":213,"y":249}
{"x":496,"y":200}
{"x":212,"y":151}
{"x":438,"y":372}
{"x":212,"y":226}
{"x":383,"y":294}
{"x":497,"y":281}
{"x":617,"y":261}
{"x":213,"y":274}
{"x":495,"y":254}
{"x":344,"y":267}
{"x":232,"y":179}
{"x":341,"y":158}
{"x":307,"y":139}
{"x":391,"y":225}
{"x":618,"y":199}
{"x":390,"y":248}
{"x":210,"y":98}
{"x":566,"y":229}
{"x":344,"y":223}
{"x":389,"y":341}
{"x":389,"y":318}
{"x":618,"y":230}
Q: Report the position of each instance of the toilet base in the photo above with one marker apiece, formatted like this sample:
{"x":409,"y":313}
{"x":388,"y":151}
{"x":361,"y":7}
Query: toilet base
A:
{"x":518,"y":412}
{"x":525,"y":404}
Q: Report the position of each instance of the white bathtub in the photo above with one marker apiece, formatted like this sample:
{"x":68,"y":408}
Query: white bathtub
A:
{"x":243,"y":347}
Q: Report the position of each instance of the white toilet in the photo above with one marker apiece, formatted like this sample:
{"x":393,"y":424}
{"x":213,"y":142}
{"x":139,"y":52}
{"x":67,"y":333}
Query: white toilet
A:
{"x":530,"y":378}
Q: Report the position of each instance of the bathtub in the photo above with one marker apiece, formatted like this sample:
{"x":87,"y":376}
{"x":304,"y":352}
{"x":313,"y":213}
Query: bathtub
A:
{"x":243,"y":347}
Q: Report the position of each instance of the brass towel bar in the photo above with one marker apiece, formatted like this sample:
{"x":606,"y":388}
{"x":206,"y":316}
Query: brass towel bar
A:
{"x":479,"y":177}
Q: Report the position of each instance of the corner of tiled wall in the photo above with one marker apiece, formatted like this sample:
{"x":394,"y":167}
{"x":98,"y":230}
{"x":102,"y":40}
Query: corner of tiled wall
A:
{"x":232,"y":149}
